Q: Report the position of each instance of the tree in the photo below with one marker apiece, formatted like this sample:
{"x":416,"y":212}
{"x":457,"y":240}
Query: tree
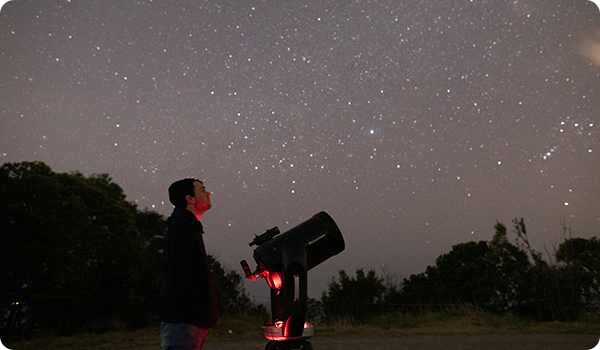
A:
{"x":491,"y":275}
{"x":580,"y":259}
{"x":460,"y":276}
{"x":500,"y":276}
{"x":565,"y":290}
{"x":72,"y":254}
{"x":360,"y":297}
{"x":508,"y":271}
{"x":77,"y":256}
{"x":232,"y":295}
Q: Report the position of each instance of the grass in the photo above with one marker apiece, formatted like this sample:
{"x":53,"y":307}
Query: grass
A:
{"x":462,"y":321}
{"x":241,"y":327}
{"x":466,"y":320}
{"x":142,"y":339}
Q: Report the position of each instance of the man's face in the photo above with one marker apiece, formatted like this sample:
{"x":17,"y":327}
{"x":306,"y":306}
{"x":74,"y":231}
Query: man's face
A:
{"x":201,"y":199}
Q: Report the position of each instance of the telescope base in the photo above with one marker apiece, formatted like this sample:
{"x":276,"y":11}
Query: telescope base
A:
{"x":278,"y":341}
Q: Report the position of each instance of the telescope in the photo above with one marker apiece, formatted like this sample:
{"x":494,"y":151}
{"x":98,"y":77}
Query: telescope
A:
{"x":284,"y":260}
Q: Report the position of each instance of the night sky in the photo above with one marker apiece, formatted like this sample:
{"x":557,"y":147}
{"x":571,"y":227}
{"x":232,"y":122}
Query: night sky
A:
{"x":414,"y":124}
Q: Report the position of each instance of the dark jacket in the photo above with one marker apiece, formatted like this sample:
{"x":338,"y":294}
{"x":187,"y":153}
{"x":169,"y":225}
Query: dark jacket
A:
{"x":190,"y":291}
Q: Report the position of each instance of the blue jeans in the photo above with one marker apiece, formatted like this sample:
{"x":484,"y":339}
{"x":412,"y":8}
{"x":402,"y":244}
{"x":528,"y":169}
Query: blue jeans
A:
{"x":181,"y":336}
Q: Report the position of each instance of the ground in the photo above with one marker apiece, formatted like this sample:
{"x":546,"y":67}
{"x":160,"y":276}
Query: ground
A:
{"x":433,"y":342}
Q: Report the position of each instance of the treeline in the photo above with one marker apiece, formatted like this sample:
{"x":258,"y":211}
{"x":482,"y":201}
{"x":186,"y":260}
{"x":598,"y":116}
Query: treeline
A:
{"x":497,"y":276}
{"x":76,"y":256}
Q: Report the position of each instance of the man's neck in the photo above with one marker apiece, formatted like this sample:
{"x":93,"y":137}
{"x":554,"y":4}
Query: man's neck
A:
{"x":197,"y":214}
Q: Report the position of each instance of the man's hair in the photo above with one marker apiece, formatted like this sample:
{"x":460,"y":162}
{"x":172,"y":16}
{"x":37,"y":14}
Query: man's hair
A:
{"x":179,"y":190}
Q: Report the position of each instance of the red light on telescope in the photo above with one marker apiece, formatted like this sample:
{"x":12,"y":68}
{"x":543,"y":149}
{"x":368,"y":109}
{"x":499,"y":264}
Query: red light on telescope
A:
{"x":276,"y":330}
{"x":273,"y":279}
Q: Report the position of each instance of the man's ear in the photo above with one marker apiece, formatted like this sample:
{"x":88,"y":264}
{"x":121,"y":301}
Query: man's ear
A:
{"x":188,"y":198}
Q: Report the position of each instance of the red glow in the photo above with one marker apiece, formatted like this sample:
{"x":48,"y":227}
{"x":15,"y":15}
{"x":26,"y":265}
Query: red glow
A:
{"x":273,"y":279}
{"x":279,"y":324}
{"x":277,"y":329}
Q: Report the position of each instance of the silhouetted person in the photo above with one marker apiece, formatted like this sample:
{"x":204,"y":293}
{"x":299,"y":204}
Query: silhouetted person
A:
{"x":190,"y":306}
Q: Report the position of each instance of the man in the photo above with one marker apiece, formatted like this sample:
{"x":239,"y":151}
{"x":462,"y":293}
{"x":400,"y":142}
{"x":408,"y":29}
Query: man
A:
{"x":190,"y":306}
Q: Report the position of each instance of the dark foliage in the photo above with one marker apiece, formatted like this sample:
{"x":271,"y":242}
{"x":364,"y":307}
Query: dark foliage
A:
{"x":496,"y":276}
{"x":71,"y":252}
{"x":361,"y":297}
{"x":76,"y":256}
{"x":231,"y":291}
{"x":499,"y":276}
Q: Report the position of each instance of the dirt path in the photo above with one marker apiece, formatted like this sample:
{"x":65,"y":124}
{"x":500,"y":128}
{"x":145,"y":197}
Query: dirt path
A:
{"x":434,"y":342}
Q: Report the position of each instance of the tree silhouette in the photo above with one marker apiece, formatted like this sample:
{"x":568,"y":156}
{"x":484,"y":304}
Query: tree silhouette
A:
{"x":77,"y":256}
{"x":72,"y":253}
{"x":359,"y":297}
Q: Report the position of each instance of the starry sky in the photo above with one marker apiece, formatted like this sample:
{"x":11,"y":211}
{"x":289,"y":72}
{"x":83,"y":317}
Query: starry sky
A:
{"x":414,"y":124}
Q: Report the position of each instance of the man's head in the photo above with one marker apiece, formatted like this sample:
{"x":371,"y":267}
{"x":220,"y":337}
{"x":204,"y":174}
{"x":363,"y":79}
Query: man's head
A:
{"x":190,"y":194}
